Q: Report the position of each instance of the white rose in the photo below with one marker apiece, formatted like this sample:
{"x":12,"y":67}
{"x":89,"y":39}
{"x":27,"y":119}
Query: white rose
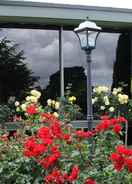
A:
{"x":102,"y":107}
{"x":17,"y":103}
{"x":111,"y":109}
{"x":119,"y":95}
{"x":57,"y":105}
{"x":93,"y":100}
{"x":114,"y":92}
{"x":49,"y":102}
{"x":56,"y":114}
{"x":114,"y":89}
{"x":121,"y":101}
{"x":106,"y":98}
{"x":98,"y":90}
{"x":119,"y":89}
{"x":125,"y":97}
{"x":94,"y":90}
{"x":107,"y":102}
{"x":53,"y":102}
{"x":96,"y":99}
{"x":26,"y":114}
{"x":105,"y":89}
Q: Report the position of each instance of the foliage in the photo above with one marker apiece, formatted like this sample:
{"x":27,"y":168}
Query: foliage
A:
{"x":14,"y":168}
{"x":5,"y":113}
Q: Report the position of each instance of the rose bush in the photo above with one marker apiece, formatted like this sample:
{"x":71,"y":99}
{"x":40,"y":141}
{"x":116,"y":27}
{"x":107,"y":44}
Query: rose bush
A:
{"x":56,"y":153}
{"x":63,"y":108}
{"x":113,"y":103}
{"x":63,"y":155}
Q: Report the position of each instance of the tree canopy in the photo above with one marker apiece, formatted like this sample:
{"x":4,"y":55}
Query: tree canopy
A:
{"x":15,"y":76}
{"x":72,"y":75}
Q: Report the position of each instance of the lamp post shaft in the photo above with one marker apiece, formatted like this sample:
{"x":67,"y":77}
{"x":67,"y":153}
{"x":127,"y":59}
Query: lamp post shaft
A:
{"x":89,"y":90}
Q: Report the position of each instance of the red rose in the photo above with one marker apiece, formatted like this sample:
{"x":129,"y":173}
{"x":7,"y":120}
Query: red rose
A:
{"x":121,"y":119}
{"x":118,"y":161}
{"x":90,"y":181}
{"x":82,"y":134}
{"x":31,"y":109}
{"x":74,"y":174}
{"x":128,"y":163}
{"x":54,"y":177}
{"x":117,"y":128}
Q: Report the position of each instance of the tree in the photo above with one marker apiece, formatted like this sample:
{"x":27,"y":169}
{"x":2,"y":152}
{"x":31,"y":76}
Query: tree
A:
{"x":15,"y":77}
{"x":73,"y":75}
{"x":122,"y":66}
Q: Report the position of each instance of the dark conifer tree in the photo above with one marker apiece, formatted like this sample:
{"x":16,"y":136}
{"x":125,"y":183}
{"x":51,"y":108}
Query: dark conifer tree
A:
{"x":15,"y":77}
{"x":122,"y":66}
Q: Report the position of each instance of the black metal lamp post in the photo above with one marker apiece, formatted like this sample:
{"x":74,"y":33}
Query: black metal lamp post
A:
{"x":87,"y":33}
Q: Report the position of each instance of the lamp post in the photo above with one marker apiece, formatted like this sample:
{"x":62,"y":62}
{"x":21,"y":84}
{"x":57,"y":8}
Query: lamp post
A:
{"x":87,"y":33}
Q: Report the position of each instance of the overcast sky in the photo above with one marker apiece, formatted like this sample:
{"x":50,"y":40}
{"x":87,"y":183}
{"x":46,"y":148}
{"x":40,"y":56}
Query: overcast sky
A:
{"x":105,"y":3}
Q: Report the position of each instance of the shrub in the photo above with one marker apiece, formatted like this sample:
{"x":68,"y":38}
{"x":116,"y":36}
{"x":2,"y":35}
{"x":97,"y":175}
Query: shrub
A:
{"x":65,"y":155}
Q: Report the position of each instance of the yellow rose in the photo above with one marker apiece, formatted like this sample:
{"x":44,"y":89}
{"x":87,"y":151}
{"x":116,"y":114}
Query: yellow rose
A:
{"x":33,"y":99}
{"x":28,"y":98}
{"x":100,"y":89}
{"x":53,"y":102}
{"x":35,"y":93}
{"x":56,"y":114}
{"x":18,"y":109}
{"x":23,"y":106}
{"x":115,"y":91}
{"x":123,"y":99}
{"x":57,"y":105}
{"x":72,"y":98}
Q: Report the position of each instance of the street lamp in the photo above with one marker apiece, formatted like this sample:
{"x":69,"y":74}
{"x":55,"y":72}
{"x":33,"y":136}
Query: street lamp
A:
{"x":87,"y":33}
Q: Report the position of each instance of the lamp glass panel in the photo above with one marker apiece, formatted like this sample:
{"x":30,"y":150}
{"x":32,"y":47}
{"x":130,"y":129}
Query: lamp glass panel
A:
{"x":92,"y":38}
{"x":83,"y":39}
